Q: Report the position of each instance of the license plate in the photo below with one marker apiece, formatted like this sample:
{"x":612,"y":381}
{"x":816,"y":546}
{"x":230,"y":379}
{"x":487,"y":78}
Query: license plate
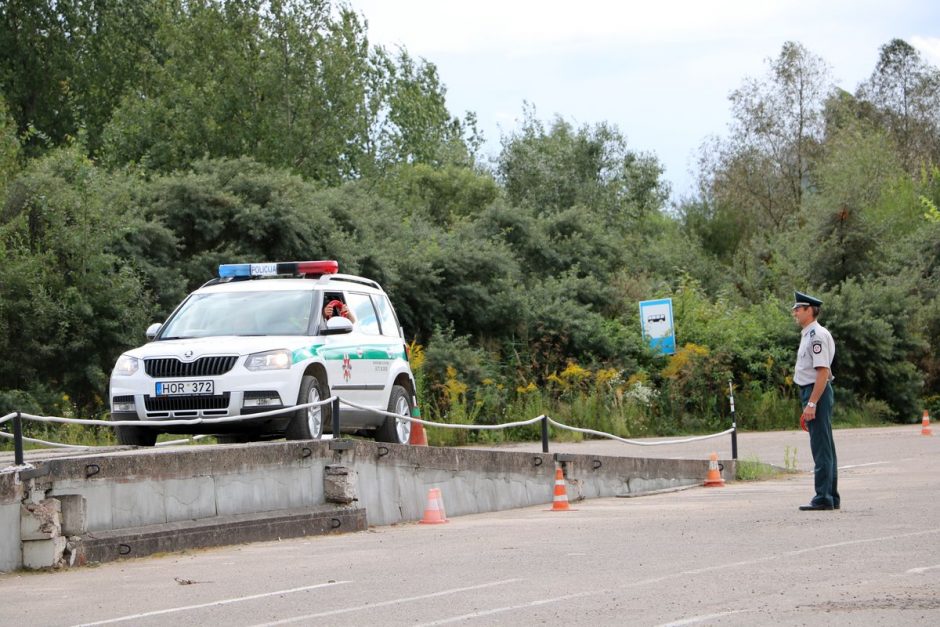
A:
{"x":179,"y":388}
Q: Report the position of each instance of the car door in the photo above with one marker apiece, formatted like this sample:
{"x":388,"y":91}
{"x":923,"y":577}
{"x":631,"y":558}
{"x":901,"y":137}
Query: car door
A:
{"x":393,"y":344}
{"x":369,"y":351}
{"x":342,"y":358}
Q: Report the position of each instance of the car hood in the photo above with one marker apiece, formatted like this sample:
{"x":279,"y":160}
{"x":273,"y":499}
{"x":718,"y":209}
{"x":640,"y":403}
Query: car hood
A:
{"x":221,"y":345}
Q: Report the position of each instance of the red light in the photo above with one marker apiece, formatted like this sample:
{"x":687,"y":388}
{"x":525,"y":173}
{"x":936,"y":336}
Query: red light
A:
{"x":317,"y":267}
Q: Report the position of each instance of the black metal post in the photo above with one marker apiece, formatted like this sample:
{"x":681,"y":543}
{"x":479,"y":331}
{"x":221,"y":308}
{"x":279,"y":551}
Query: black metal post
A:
{"x":335,"y":417}
{"x":544,"y":434}
{"x":734,"y":425}
{"x":18,"y":439}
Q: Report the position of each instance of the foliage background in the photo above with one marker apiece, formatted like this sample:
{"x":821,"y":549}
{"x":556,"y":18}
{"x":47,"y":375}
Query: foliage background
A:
{"x":142,"y":144}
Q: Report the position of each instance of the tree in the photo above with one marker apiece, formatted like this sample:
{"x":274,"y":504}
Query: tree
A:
{"x":905,"y":91}
{"x":855,"y":213}
{"x":876,"y":343}
{"x":763,"y":168}
{"x":444,"y":195}
{"x":556,"y":168}
{"x":36,"y":67}
{"x":68,"y":305}
{"x":9,"y":148}
{"x":65,"y":65}
{"x":294,"y":84}
{"x":413,"y":125}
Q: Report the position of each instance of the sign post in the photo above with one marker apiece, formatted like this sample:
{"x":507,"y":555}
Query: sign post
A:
{"x":658,"y":327}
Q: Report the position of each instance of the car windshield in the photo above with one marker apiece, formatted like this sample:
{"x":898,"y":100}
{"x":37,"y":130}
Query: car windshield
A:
{"x":241,"y":313}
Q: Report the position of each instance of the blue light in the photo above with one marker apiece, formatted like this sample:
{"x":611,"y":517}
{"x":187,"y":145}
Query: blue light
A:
{"x":227,"y":270}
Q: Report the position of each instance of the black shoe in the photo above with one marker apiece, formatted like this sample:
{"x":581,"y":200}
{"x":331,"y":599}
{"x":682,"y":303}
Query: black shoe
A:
{"x":836,"y":507}
{"x":813,"y":508}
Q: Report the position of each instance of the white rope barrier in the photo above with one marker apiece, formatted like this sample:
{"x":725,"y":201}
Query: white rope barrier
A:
{"x":523,"y":423}
{"x":196,"y":421}
{"x":638,"y":442}
{"x":4,"y":434}
{"x":445,"y":425}
{"x":173,"y":423}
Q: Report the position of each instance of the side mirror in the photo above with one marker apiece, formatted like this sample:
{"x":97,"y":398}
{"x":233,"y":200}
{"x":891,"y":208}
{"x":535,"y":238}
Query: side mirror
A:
{"x":338,"y":325}
{"x":152,"y":330}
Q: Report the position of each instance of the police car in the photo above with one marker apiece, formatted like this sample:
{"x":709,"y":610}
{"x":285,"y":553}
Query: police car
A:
{"x":267,"y":336}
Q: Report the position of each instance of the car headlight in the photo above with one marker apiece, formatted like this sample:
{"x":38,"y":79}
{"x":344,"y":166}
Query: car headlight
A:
{"x":126,"y":365}
{"x":269,"y":360}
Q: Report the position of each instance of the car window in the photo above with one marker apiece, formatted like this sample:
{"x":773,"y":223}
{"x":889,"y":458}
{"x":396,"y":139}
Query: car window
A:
{"x":386,"y":316}
{"x":367,"y":320}
{"x":241,"y":313}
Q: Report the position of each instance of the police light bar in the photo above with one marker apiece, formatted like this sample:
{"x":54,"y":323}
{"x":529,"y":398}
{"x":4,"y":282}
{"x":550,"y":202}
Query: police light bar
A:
{"x":291,"y":268}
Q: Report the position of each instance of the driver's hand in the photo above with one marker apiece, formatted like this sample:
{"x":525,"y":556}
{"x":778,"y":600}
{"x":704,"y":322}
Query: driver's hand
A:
{"x":327,"y":312}
{"x":344,"y":311}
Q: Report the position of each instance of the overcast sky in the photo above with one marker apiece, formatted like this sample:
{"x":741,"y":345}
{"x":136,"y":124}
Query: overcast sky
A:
{"x":661,"y":70}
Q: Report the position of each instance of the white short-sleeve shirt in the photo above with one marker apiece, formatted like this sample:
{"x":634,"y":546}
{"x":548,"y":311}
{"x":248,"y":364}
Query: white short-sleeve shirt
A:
{"x":817,"y":350}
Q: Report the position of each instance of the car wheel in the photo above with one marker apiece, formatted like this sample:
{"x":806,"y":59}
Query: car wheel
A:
{"x":309,"y":423}
{"x":136,"y":436}
{"x":393,"y":429}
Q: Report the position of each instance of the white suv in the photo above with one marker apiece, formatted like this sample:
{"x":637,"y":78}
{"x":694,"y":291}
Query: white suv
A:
{"x":257,"y":339}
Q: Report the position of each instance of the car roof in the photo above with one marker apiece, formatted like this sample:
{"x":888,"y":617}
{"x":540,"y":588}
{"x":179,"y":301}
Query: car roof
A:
{"x":326,"y":283}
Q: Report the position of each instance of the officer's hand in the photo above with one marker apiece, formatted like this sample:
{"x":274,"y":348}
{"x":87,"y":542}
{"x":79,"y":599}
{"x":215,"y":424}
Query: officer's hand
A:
{"x":327,"y":312}
{"x":809,"y":413}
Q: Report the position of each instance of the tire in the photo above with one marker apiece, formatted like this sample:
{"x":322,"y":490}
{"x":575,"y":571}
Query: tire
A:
{"x":394,"y":430}
{"x":136,"y":436}
{"x":309,"y":423}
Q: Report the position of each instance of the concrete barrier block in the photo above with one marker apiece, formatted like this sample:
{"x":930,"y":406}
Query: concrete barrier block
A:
{"x":263,"y":489}
{"x":40,"y":521}
{"x":97,"y":497}
{"x":340,"y":484}
{"x":218,"y":531}
{"x":74,"y":514}
{"x":11,"y":555}
{"x":137,"y":504}
{"x":43,"y":553}
{"x":189,"y":499}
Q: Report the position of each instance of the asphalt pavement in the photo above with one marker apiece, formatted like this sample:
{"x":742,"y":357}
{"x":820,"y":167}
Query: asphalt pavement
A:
{"x":737,"y":555}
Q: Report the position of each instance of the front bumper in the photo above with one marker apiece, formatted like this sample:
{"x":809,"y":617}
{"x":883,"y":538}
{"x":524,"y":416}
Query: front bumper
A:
{"x":134,"y":398}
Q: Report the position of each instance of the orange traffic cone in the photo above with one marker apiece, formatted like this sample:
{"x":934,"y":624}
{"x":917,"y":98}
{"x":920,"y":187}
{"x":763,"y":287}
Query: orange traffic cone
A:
{"x":925,"y":425}
{"x":713,"y":479}
{"x":433,"y":512}
{"x":560,"y":499}
{"x":418,"y":436}
{"x":440,"y":503}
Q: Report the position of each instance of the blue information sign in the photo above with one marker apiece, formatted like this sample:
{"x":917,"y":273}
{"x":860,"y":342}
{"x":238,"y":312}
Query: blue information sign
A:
{"x":657,"y":323}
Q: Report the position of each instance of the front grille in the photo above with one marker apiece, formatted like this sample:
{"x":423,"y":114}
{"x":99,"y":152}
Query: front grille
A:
{"x":202,"y":367}
{"x":185,"y":403}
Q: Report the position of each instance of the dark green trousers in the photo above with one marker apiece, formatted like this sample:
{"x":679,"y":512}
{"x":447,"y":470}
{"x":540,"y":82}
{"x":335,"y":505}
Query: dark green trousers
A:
{"x":823,"y":447}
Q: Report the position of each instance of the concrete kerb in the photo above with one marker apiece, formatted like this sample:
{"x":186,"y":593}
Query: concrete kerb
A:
{"x":124,"y":491}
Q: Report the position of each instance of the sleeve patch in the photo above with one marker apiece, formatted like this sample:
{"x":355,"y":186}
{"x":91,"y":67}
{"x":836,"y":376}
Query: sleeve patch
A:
{"x":817,"y":348}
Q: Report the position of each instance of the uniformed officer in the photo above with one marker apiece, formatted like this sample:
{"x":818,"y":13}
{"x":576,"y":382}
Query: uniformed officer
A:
{"x":813,"y":373}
